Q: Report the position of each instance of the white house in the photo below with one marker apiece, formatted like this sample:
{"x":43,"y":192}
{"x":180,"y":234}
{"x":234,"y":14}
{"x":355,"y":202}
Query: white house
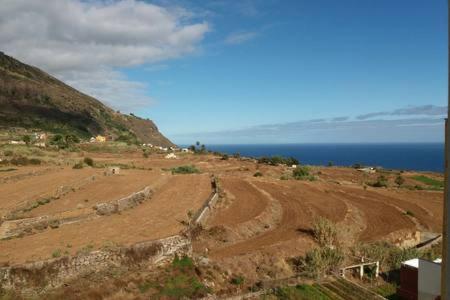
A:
{"x":420,"y":279}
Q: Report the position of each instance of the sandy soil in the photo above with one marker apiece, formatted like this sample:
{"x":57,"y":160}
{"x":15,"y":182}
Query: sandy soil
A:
{"x":156,"y":218}
{"x":43,"y":185}
{"x":102,"y":189}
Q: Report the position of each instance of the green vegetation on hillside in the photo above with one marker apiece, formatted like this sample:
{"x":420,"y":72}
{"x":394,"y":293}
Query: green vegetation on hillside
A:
{"x":433,"y":183}
{"x":185,"y":170}
{"x":277,"y":160}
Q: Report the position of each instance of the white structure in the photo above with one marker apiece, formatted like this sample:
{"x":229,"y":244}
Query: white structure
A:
{"x":17,"y":142}
{"x":429,"y":281}
{"x":171,"y":156}
{"x":420,"y":279}
{"x":185,"y":150}
{"x":369,"y":170}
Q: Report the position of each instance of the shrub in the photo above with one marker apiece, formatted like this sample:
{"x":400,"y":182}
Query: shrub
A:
{"x":78,"y":165}
{"x":26,"y":139}
{"x":302,"y":173}
{"x":24,"y":161}
{"x":330,"y":164}
{"x":325,"y":232}
{"x":277,"y":160}
{"x":34,"y":161}
{"x":399,"y":180}
{"x":258,"y":174}
{"x":390,"y":256}
{"x":89,"y":161}
{"x":57,"y":253}
{"x":318,"y":262}
{"x":237,"y":280}
{"x":381,"y":182}
{"x":225,"y":157}
{"x":185,"y":170}
{"x":8,"y":153}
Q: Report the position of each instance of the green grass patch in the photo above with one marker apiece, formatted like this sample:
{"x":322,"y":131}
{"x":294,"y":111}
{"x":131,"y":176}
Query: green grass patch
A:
{"x":8,"y":170}
{"x":185,"y":170}
{"x":429,"y":181}
{"x":301,"y":292}
{"x":387,"y":290}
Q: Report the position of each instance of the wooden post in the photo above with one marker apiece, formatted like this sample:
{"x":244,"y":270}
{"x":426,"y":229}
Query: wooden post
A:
{"x":445,"y":275}
{"x":377,"y":269}
{"x":361,"y":272}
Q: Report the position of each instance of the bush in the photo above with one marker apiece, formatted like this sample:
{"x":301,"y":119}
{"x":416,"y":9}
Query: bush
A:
{"x":389,"y":256}
{"x":318,"y":262}
{"x":78,"y":165}
{"x":24,"y":161}
{"x":277,"y":160}
{"x":89,"y":161}
{"x":237,"y":280}
{"x":8,"y":153}
{"x":225,"y":157}
{"x":26,"y":139}
{"x":399,"y":180}
{"x":302,"y":173}
{"x":325,"y":232}
{"x":381,"y":182}
{"x":258,"y":174}
{"x":185,"y":170}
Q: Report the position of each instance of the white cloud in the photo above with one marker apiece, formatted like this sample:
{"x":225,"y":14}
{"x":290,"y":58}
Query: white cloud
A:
{"x":240,"y":37}
{"x":84,"y":43}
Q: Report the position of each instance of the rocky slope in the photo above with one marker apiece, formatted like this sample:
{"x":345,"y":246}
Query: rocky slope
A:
{"x":33,"y":99}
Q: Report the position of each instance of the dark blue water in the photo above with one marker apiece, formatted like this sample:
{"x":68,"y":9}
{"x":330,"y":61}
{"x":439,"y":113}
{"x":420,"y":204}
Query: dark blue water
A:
{"x":421,"y":157}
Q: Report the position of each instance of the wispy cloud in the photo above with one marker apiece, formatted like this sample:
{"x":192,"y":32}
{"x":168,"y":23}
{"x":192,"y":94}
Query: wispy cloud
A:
{"x":424,"y":110}
{"x":414,"y":124}
{"x":240,"y":37}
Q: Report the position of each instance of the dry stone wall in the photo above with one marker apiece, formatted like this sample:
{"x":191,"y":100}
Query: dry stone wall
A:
{"x":205,"y":211}
{"x":27,"y":226}
{"x":53,"y":272}
{"x":117,"y":206}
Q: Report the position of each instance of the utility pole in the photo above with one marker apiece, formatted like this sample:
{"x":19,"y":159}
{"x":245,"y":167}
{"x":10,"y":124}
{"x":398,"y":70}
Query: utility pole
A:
{"x":445,"y":275}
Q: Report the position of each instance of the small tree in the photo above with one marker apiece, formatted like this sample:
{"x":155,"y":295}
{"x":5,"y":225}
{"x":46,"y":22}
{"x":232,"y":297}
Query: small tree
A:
{"x":399,"y":180}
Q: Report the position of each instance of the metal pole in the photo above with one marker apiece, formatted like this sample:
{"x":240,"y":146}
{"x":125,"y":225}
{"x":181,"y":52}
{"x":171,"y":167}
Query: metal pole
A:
{"x":445,"y":275}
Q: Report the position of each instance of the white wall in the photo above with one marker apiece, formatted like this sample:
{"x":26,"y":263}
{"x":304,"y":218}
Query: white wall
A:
{"x":429,"y":280}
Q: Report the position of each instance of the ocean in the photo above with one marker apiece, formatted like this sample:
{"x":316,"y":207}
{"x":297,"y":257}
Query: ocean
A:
{"x":420,"y":157}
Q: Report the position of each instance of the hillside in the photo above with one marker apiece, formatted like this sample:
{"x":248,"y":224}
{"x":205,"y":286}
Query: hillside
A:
{"x":33,"y":99}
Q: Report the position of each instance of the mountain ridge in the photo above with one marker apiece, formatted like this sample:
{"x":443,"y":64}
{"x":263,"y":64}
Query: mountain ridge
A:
{"x":33,"y":99}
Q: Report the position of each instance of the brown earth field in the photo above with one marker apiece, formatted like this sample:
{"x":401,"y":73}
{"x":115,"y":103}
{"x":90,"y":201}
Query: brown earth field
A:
{"x":255,"y":219}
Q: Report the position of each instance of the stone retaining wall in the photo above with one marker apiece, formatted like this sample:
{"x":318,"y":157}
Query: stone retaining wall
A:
{"x":28,"y":226}
{"x":205,"y":211}
{"x":124,"y":203}
{"x":53,"y":272}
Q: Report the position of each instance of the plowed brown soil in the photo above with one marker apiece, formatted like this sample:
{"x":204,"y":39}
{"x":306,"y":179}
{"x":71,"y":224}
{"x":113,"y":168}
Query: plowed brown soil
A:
{"x":156,"y":218}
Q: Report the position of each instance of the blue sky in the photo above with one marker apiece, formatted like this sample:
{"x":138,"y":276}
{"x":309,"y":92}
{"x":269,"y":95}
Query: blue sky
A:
{"x":280,"y":71}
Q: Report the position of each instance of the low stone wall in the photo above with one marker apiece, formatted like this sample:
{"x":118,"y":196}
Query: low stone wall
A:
{"x":28,"y":226}
{"x":53,"y":272}
{"x":105,"y":209}
{"x":205,"y":211}
{"x":61,"y":191}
